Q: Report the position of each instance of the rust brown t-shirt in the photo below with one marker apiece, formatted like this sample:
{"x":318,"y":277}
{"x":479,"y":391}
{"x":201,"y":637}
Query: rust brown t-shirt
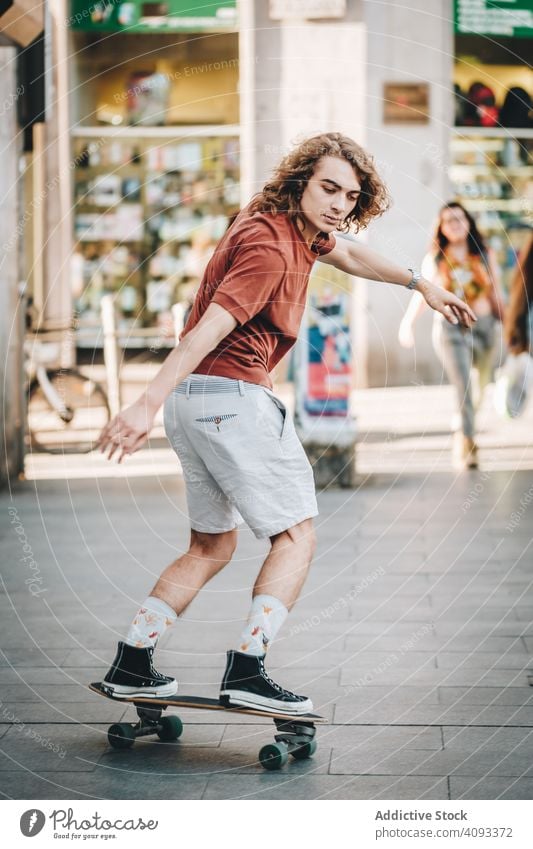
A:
{"x":259,"y":273}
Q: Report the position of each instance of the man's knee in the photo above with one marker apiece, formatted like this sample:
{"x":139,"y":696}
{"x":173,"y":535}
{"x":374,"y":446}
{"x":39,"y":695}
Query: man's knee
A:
{"x":219,"y":547}
{"x":302,"y":535}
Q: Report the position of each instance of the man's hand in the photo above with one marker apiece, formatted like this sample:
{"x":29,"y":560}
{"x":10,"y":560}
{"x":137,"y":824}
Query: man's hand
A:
{"x":452,"y":308}
{"x":131,"y":428}
{"x":127,"y":431}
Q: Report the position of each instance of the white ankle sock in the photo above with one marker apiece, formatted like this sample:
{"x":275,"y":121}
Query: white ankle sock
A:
{"x":266,"y":617}
{"x":150,"y":622}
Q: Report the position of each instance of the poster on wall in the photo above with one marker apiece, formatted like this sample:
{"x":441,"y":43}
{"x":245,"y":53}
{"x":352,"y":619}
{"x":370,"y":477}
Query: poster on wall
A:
{"x":326,"y":380}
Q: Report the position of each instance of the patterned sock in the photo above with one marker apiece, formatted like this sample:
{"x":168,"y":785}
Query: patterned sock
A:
{"x":150,"y":622}
{"x":267,"y":615}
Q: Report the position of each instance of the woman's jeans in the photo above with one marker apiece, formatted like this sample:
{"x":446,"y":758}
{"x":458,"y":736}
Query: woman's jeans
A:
{"x":460,"y":349}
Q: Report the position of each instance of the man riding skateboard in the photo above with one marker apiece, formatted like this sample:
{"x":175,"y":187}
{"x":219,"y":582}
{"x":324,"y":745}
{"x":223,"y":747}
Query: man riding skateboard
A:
{"x":238,"y":448}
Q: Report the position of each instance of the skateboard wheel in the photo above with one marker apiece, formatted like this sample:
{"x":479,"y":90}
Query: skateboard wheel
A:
{"x":121,"y":736}
{"x":171,"y":727}
{"x":273,"y":756}
{"x":307,"y":750}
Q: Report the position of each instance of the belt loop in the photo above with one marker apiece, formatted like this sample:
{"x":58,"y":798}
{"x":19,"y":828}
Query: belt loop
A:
{"x":188,"y":388}
{"x":241,"y":387}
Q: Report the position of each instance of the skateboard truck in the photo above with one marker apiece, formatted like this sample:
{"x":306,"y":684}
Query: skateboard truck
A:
{"x":122,"y":735}
{"x":295,"y":738}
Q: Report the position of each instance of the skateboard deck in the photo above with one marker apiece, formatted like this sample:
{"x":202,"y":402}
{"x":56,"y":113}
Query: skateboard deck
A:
{"x":200,"y":703}
{"x":295,"y":732}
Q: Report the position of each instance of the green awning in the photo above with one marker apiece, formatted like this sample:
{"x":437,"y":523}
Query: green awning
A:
{"x":508,"y":18}
{"x":137,"y":16}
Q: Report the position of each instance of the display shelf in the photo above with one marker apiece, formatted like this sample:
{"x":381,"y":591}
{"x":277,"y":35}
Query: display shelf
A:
{"x":174,"y":133}
{"x":486,"y":170}
{"x":494,"y":132}
{"x":497,"y":204}
{"x":492,"y":174}
{"x":149,"y":209}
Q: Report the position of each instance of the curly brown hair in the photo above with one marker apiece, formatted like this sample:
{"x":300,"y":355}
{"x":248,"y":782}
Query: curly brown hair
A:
{"x":283,"y":192}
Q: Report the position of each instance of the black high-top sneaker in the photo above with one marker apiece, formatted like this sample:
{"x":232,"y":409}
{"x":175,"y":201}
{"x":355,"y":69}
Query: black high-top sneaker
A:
{"x":132,"y":674}
{"x":246,"y":684}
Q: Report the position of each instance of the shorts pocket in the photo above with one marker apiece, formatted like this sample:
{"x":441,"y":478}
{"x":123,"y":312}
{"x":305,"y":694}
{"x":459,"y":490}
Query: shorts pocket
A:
{"x":217,"y":422}
{"x":283,"y":410}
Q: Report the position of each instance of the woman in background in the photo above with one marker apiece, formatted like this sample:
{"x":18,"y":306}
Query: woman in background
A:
{"x":461,"y":262}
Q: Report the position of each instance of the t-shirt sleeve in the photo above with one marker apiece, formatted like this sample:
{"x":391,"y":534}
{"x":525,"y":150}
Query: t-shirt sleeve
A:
{"x":252,"y":282}
{"x":324,"y":244}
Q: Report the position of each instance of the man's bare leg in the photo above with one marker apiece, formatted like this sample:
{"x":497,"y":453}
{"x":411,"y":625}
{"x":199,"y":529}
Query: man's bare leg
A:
{"x":285,"y":569}
{"x":132,"y":672}
{"x":185,"y":577}
{"x":245,"y":681}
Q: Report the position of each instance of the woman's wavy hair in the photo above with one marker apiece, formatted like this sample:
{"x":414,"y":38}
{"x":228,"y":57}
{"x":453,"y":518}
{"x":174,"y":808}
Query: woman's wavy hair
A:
{"x":283,"y":192}
{"x":475,"y":241}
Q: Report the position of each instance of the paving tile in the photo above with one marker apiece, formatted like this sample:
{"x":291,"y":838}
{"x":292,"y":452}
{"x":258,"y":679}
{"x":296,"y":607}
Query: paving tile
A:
{"x":490,"y":787}
{"x":292,"y":785}
{"x":56,"y":748}
{"x":43,"y":693}
{"x":32,"y":656}
{"x":444,"y":763}
{"x":63,"y":712}
{"x":484,"y":696}
{"x":430,"y":677}
{"x":402,"y":711}
{"x":499,"y":740}
{"x":179,"y":759}
{"x":483,"y":660}
{"x":101,"y":784}
{"x":428,"y":641}
{"x":32,"y":676}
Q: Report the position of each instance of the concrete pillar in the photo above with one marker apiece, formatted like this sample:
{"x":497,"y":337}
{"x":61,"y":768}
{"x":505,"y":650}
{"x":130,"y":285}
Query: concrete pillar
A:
{"x":309,"y":78}
{"x":11,"y":318}
{"x":407,"y":43}
{"x":57,"y":307}
{"x":260,"y":86}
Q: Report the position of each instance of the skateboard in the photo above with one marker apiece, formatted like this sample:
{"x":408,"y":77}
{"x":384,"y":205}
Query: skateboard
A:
{"x":295,"y":735}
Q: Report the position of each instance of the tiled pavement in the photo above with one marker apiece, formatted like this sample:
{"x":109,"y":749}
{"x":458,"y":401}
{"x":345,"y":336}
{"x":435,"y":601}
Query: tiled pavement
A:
{"x":413,"y":635}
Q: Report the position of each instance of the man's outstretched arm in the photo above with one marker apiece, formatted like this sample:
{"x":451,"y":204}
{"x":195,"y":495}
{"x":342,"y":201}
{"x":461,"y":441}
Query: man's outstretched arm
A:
{"x":127,"y":431}
{"x":360,"y":261}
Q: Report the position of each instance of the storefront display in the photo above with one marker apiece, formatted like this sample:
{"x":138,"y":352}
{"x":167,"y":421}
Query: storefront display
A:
{"x":148,"y":215}
{"x":155,"y":152}
{"x":492,"y":145}
{"x":493,"y":177}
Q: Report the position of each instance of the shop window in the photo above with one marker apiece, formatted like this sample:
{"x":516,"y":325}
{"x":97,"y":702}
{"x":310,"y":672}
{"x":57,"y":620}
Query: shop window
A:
{"x":492,"y":146}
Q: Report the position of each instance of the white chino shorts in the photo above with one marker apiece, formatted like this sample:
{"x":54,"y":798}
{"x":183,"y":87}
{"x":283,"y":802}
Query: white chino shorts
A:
{"x":240,"y":455}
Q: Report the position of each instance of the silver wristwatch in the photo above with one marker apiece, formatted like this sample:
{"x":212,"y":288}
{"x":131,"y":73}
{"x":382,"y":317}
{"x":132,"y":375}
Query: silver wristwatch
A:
{"x":415,"y":279}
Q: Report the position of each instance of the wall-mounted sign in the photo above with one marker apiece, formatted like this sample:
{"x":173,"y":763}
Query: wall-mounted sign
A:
{"x":281,"y":10}
{"x":134,"y":16}
{"x":511,"y":18}
{"x":406,"y":103}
